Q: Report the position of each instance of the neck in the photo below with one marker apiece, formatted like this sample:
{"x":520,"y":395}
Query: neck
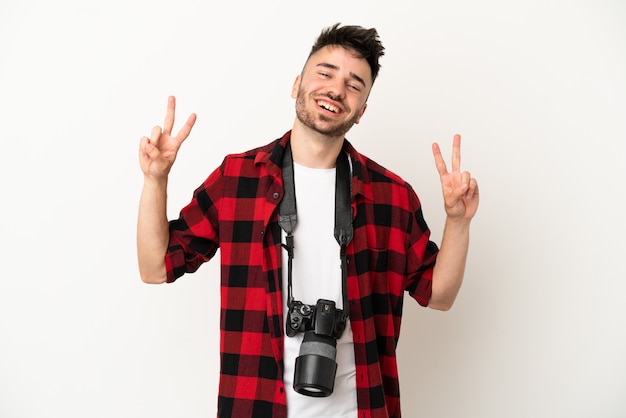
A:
{"x":312,"y":149}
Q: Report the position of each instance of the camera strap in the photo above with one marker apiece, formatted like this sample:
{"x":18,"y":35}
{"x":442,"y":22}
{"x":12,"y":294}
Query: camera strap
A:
{"x":343,"y":218}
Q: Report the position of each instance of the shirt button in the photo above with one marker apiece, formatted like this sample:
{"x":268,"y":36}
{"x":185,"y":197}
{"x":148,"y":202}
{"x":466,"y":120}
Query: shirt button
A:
{"x":276,"y":195}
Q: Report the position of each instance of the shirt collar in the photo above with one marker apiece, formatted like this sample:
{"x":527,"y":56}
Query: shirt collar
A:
{"x":360,"y":176}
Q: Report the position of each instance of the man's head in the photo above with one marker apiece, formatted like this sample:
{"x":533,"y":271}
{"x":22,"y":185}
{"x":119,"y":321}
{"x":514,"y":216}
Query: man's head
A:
{"x":365,"y":43}
{"x":331,"y":92}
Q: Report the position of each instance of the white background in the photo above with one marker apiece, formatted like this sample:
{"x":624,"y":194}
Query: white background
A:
{"x":536,"y":88}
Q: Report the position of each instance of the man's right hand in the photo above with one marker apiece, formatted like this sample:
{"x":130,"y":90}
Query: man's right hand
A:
{"x":158,"y":153}
{"x":156,"y":157}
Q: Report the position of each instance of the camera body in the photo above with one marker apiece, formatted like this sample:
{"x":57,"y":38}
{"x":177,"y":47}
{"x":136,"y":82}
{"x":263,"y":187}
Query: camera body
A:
{"x":322,"y":325}
{"x":323,"y":318}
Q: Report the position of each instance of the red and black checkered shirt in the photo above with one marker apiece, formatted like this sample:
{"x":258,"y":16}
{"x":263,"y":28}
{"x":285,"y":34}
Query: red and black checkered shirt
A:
{"x":236,"y":210}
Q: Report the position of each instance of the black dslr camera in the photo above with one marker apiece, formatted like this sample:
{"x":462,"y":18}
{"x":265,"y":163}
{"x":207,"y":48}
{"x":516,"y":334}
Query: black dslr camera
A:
{"x":322,"y":325}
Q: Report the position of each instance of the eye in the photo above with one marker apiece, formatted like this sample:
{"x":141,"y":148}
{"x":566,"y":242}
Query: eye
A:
{"x":354,"y":87}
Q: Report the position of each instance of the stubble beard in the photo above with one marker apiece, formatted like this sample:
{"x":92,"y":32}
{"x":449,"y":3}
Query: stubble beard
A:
{"x":310,"y":120}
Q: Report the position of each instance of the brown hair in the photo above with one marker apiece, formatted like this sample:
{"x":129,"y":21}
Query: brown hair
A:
{"x":364,"y":42}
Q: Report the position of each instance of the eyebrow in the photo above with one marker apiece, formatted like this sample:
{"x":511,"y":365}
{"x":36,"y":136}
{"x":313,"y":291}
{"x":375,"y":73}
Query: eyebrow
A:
{"x":335,"y":67}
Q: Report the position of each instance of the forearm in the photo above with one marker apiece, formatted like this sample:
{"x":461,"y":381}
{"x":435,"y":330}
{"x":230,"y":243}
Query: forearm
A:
{"x":450,"y":265}
{"x":152,"y":231}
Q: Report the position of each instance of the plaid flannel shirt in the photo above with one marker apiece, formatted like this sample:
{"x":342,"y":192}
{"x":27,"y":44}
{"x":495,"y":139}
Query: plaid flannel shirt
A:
{"x":236,"y":210}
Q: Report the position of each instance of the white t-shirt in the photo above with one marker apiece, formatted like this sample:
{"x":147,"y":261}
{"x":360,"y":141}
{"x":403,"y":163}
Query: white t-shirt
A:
{"x":317,"y":275}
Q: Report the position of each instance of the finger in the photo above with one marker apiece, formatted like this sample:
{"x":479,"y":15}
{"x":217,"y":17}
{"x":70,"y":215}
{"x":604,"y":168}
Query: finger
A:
{"x":473,"y":189}
{"x":155,"y":135}
{"x":144,"y":143}
{"x":169,"y":115}
{"x":186,"y":129}
{"x":452,"y":198}
{"x":456,"y":153}
{"x":147,"y":152}
{"x":439,"y":162}
{"x":465,"y":181}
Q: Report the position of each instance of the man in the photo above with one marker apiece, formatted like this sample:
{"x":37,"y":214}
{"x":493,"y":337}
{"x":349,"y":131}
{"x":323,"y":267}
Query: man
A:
{"x":271,"y":262}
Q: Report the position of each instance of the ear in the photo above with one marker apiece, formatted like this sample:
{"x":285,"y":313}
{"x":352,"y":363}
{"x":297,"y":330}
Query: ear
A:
{"x":361,"y":113}
{"x":296,"y":87}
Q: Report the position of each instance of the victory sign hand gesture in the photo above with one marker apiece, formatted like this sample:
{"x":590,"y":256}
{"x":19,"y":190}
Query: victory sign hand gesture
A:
{"x":460,"y":190}
{"x":158,"y":153}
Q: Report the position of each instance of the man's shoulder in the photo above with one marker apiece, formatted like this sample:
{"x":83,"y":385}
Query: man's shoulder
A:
{"x":377,"y":173}
{"x":254,"y":152}
{"x":259,"y":161}
{"x":382,"y":186}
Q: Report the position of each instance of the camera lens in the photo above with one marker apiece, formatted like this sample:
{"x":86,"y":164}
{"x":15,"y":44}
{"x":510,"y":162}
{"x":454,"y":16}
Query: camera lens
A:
{"x":316,"y":367}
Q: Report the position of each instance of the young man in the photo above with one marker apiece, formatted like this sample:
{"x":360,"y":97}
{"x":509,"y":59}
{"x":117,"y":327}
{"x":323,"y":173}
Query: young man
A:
{"x":277,"y":267}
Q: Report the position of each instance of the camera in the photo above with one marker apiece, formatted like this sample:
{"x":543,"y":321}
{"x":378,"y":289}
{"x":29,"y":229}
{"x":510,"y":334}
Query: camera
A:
{"x":322,"y":325}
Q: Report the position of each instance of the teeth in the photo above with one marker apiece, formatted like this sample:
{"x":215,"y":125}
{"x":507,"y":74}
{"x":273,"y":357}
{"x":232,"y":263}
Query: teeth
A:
{"x":328,"y":107}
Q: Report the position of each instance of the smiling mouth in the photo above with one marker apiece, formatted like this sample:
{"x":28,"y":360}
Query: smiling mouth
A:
{"x":328,"y":106}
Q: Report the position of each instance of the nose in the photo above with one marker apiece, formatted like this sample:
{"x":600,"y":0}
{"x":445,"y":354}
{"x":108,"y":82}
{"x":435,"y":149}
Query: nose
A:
{"x":337,"y":90}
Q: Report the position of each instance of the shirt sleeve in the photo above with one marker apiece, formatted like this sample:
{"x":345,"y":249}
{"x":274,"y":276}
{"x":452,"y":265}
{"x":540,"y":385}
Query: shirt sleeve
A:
{"x":194,"y":236}
{"x":421,"y":254}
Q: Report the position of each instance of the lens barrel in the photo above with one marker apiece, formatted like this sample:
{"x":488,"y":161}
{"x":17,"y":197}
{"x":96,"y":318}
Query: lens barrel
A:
{"x":316,"y":366}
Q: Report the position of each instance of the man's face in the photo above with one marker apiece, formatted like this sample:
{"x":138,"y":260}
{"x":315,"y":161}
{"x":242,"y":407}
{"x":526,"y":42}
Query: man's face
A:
{"x":331,"y":93}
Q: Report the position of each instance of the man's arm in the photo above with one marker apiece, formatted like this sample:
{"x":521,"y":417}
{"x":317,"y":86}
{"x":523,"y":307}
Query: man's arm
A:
{"x":450,"y":265}
{"x":156,"y":157}
{"x":152,"y":231}
{"x":460,"y":193}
